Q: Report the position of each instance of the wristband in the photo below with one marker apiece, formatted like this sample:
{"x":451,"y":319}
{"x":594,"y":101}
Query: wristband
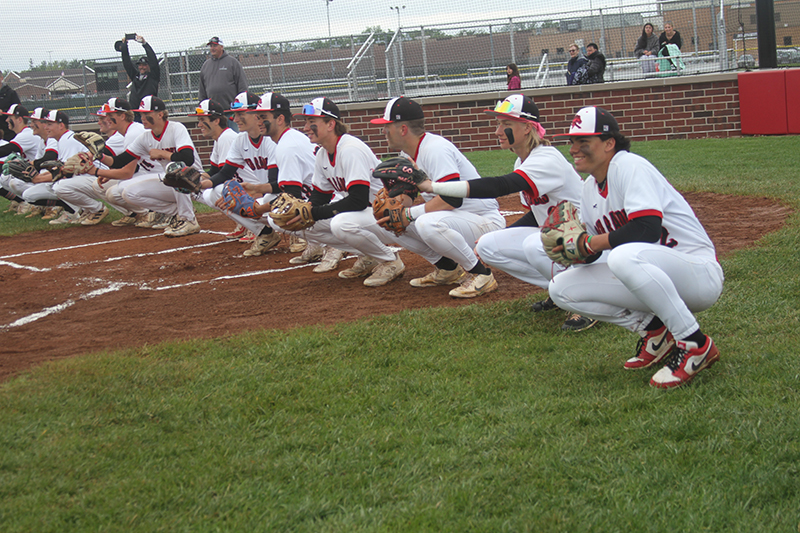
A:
{"x":413,"y":213}
{"x":588,"y":246}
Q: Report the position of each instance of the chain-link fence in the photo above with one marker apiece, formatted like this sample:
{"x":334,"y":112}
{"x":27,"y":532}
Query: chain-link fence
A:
{"x":716,"y":36}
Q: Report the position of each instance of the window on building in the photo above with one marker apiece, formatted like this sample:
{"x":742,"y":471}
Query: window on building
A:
{"x":787,"y":41}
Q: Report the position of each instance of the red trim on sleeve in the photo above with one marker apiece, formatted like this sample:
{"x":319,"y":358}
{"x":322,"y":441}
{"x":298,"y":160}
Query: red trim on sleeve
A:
{"x":450,"y":177}
{"x":132,"y":154}
{"x":187,"y":147}
{"x":51,"y":150}
{"x":18,"y":146}
{"x":357,"y":183}
{"x":290,"y":183}
{"x":646,"y":213}
{"x":234,"y":164}
{"x":534,"y":190}
{"x":273,"y":165}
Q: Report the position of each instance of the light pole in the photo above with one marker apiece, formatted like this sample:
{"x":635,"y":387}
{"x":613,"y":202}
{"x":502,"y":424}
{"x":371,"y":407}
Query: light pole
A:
{"x":330,"y":39}
{"x":400,"y":43}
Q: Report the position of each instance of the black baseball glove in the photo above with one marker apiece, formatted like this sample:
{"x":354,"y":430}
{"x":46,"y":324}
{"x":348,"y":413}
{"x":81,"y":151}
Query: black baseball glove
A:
{"x":399,"y":176}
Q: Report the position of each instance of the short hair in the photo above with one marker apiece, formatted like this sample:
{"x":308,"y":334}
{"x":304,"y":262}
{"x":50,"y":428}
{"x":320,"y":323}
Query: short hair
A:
{"x":621,"y":143}
{"x":287,"y":115}
{"x":593,"y":45}
{"x":340,"y":128}
{"x":416,"y":126}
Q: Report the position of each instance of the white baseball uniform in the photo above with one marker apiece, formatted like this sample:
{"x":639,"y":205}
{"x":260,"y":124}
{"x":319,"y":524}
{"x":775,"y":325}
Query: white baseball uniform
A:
{"x":252,"y":160}
{"x":669,"y":279}
{"x":67,"y":147}
{"x":148,"y":192}
{"x":518,"y":250}
{"x":113,"y":190}
{"x":30,"y":145}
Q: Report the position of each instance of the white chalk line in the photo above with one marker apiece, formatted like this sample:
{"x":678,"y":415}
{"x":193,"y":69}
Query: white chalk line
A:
{"x":100,"y":243}
{"x":47,"y":311}
{"x":23,"y":267}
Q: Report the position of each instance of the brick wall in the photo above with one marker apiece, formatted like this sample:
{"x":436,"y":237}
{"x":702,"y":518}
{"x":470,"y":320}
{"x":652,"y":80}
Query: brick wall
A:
{"x":669,"y":108}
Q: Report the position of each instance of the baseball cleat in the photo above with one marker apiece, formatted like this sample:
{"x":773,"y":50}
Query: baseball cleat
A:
{"x":473,"y":286}
{"x":166,"y":222}
{"x":684,"y":362}
{"x":439,"y":277}
{"x":66,"y":218}
{"x":90,"y":219}
{"x":330,"y":260}
{"x":181,"y":228}
{"x":363,"y":266}
{"x":545,"y":305}
{"x":576,"y":322}
{"x":262,"y":244}
{"x":127,"y":220}
{"x":24,"y":208}
{"x":52,"y":212}
{"x":313,"y":252}
{"x":651,"y":348}
{"x":35,"y":211}
{"x":386,"y":272}
{"x":296,"y":244}
{"x":13,"y":206}
{"x":237,"y":233}
{"x":147,"y":220}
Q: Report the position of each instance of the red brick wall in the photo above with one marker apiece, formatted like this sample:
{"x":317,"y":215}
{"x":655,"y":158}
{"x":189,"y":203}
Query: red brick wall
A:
{"x":669,"y":108}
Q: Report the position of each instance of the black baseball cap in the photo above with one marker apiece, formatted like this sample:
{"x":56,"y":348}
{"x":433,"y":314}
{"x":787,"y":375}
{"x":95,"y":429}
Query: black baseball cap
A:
{"x":592,"y":120}
{"x":272,"y":102}
{"x":17,"y":110}
{"x":57,"y":116}
{"x":208,"y":108}
{"x":142,"y":61}
{"x":214,"y":40}
{"x":516,"y":107}
{"x":151,"y":103}
{"x":399,"y":110}
{"x":321,"y":107}
{"x":40,"y":113}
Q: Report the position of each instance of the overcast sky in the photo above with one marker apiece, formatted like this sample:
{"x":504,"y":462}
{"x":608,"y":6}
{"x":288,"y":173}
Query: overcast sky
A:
{"x":72,"y":32}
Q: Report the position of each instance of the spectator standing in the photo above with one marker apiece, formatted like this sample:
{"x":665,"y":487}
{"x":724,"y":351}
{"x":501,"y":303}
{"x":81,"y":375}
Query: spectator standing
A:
{"x":513,"y":77}
{"x":145,"y":76}
{"x":647,"y":49}
{"x":221,"y":77}
{"x":595,"y":66}
{"x":8,"y":97}
{"x":576,"y":61}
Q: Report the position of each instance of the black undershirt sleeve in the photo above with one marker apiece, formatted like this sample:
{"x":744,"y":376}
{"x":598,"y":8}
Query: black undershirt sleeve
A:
{"x":49,"y":155}
{"x":497,"y":186}
{"x":455,"y":202}
{"x":122,"y":159}
{"x":8,"y":149}
{"x":641,"y":229}
{"x":526,"y":220}
{"x":185,"y":154}
{"x":357,"y":199}
{"x":223,"y":174}
{"x":214,"y":170}
{"x":294,"y":190}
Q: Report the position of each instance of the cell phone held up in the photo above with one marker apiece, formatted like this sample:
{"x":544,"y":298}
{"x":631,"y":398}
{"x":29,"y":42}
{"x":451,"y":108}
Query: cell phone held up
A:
{"x":130,"y":36}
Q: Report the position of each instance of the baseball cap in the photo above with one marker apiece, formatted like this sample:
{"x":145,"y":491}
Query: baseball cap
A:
{"x":320,"y":107}
{"x":398,"y":110}
{"x":142,"y":61}
{"x":214,"y":40}
{"x":16,"y":110}
{"x":272,"y":102}
{"x":516,"y":107}
{"x":592,"y":121}
{"x":114,"y":105}
{"x":208,"y":108}
{"x":244,"y":101}
{"x":57,"y":116}
{"x":40,"y":113}
{"x":151,"y":103}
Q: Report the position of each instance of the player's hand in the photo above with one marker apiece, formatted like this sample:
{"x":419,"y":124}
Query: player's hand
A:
{"x":140,"y":39}
{"x":206,"y":184}
{"x":222,"y":204}
{"x":425,"y":186}
{"x":42,"y":177}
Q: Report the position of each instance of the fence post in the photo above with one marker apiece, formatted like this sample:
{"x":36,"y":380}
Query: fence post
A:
{"x":511,"y":32}
{"x":85,"y":90}
{"x":602,"y":31}
{"x":169,"y":77}
{"x":723,"y":45}
{"x":491,"y":44}
{"x":694,"y":22}
{"x":269,"y":66}
{"x":424,"y":55}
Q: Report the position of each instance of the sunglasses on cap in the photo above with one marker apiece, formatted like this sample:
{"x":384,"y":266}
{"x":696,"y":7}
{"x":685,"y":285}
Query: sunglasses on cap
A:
{"x":238,"y":106}
{"x":309,"y":109}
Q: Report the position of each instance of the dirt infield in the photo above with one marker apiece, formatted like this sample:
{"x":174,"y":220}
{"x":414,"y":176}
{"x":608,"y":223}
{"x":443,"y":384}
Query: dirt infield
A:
{"x":83,"y":290}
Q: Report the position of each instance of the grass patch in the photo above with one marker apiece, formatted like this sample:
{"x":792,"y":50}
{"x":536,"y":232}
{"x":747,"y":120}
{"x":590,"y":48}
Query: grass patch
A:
{"x":480,"y":418}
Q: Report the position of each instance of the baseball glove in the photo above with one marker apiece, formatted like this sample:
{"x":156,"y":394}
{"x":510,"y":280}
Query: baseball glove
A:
{"x":286,"y":208}
{"x":563,"y":228}
{"x":238,"y":201}
{"x":20,"y":169}
{"x":56,"y":169}
{"x":92,"y":141}
{"x":77,"y":164}
{"x":183,"y":179}
{"x":399,"y":176}
{"x":385,"y":206}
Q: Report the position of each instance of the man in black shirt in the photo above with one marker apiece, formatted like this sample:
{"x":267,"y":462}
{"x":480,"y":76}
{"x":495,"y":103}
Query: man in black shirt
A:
{"x":145,"y":76}
{"x":8,"y":97}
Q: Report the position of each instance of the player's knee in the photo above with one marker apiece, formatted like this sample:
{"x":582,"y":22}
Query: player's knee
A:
{"x":343,"y":225}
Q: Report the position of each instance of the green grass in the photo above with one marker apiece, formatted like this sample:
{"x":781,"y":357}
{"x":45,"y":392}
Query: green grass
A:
{"x":481,"y":418}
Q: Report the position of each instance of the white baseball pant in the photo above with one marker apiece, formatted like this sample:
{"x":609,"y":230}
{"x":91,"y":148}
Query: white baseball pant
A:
{"x":640,"y":281}
{"x":150,"y":193}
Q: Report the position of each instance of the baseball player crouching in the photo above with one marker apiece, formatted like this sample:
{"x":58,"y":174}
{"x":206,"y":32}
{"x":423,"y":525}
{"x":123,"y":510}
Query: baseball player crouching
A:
{"x":163,"y":141}
{"x":661,"y":265}
{"x":26,"y":144}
